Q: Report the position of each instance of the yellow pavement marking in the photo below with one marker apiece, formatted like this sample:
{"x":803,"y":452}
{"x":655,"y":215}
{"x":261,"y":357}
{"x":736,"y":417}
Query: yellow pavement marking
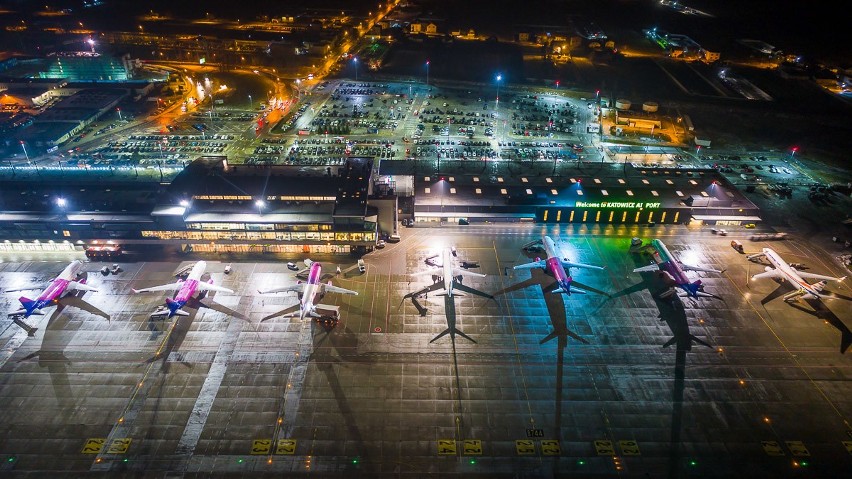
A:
{"x":550,"y":447}
{"x":286,"y":446}
{"x":94,"y":445}
{"x":261,"y":446}
{"x":848,"y":446}
{"x":525,"y":447}
{"x":629,"y":448}
{"x":119,"y":445}
{"x":446,"y":447}
{"x":604,"y":448}
{"x":772,"y":448}
{"x":797,"y":448}
{"x":472,"y":447}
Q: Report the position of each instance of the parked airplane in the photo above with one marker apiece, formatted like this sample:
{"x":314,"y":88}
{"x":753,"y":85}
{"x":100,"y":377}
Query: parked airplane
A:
{"x":784,"y":271}
{"x":185,"y":289}
{"x":59,"y":288}
{"x":450,"y":275}
{"x":309,"y":290}
{"x":675,"y":269}
{"x":556,"y":264}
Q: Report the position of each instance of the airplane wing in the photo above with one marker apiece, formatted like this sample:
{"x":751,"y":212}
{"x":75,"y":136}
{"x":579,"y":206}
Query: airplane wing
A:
{"x":464,"y":272}
{"x":213,"y":287}
{"x":165,"y":287}
{"x":296,"y":287}
{"x":335,"y":289}
{"x":75,"y":285}
{"x":568,"y":264}
{"x":430,"y":271}
{"x":818,"y":276}
{"x":774,"y":273}
{"x":647,"y":269}
{"x":534,"y":264}
{"x":688,"y":267}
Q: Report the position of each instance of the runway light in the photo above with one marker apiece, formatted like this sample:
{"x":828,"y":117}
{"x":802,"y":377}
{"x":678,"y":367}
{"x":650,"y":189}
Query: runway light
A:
{"x":239,"y":461}
{"x":766,"y":420}
{"x":742,"y":383}
{"x":693,"y":463}
{"x":581,"y":462}
{"x":473,"y":461}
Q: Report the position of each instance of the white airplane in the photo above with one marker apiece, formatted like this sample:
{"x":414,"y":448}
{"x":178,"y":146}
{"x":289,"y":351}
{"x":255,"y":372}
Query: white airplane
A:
{"x":785,"y":272}
{"x":186,"y":289}
{"x":309,"y":290}
{"x":448,"y":272}
{"x":556,"y":264}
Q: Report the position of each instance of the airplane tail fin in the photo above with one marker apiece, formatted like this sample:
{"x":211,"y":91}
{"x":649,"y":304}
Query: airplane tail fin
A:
{"x":692,"y":288}
{"x":174,"y":308}
{"x":29,"y":306}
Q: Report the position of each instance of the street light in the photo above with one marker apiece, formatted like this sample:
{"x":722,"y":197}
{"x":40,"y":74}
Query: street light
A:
{"x":250,"y":102}
{"x":26,"y":155}
{"x":119,"y":113}
{"x":61,"y":202}
{"x":427,"y":73}
{"x":91,"y":43}
{"x":355,"y":61}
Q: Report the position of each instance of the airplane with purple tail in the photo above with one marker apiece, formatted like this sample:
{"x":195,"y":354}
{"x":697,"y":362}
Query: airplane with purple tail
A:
{"x":556,"y":265}
{"x":669,"y":265}
{"x":58,"y":289}
{"x":309,"y":290}
{"x":185,"y":291}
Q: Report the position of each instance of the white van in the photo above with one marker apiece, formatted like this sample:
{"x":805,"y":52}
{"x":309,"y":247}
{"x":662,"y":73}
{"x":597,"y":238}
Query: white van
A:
{"x":362,"y":268}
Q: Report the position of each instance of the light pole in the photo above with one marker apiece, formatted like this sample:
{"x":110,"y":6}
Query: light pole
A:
{"x":24,"y":147}
{"x":427,"y":74}
{"x":250,"y":103}
{"x":119,"y":114}
{"x":355,"y":61}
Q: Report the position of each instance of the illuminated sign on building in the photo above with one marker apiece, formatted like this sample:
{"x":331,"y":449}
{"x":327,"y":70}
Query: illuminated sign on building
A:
{"x":617,"y":204}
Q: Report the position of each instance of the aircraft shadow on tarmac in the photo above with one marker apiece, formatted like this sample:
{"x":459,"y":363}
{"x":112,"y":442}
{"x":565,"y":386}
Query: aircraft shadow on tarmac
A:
{"x":334,"y":349}
{"x":673,"y":313}
{"x":51,"y":355}
{"x":555,"y":303}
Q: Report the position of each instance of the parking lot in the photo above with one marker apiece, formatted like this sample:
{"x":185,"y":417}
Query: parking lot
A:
{"x":614,"y":382}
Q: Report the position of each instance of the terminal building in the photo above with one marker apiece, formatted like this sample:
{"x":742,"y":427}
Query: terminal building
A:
{"x":616,"y":194}
{"x":213,"y":207}
{"x":209,"y":206}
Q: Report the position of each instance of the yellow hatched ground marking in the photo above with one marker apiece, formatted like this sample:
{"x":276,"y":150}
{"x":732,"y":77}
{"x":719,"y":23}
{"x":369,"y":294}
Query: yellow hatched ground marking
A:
{"x":286,"y":446}
{"x":472,"y":447}
{"x":629,"y":448}
{"x":848,"y":446}
{"x":119,"y":445}
{"x":94,"y":445}
{"x":604,"y":448}
{"x":797,"y":448}
{"x":446,"y":447}
{"x":261,"y":446}
{"x":772,"y":448}
{"x":550,"y":447}
{"x":525,"y":447}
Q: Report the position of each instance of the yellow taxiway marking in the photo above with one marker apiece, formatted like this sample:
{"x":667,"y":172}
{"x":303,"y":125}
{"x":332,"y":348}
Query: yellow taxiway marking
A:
{"x":94,"y":445}
{"x":797,"y":448}
{"x":119,"y":445}
{"x":525,"y":447}
{"x":286,"y":446}
{"x":629,"y":448}
{"x":261,"y":446}
{"x":472,"y":447}
{"x":550,"y":447}
{"x":604,"y":448}
{"x":772,"y":448}
{"x":446,"y":447}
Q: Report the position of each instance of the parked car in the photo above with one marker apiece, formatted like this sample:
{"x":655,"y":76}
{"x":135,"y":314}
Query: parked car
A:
{"x":380,"y":244}
{"x":292,"y":266}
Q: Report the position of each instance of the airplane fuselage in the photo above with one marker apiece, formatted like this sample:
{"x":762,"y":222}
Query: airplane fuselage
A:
{"x":788,"y":272}
{"x":57,"y":288}
{"x":554,"y":264}
{"x":190,"y":285}
{"x":448,"y":270}
{"x":668,"y":263}
{"x":312,"y":287}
